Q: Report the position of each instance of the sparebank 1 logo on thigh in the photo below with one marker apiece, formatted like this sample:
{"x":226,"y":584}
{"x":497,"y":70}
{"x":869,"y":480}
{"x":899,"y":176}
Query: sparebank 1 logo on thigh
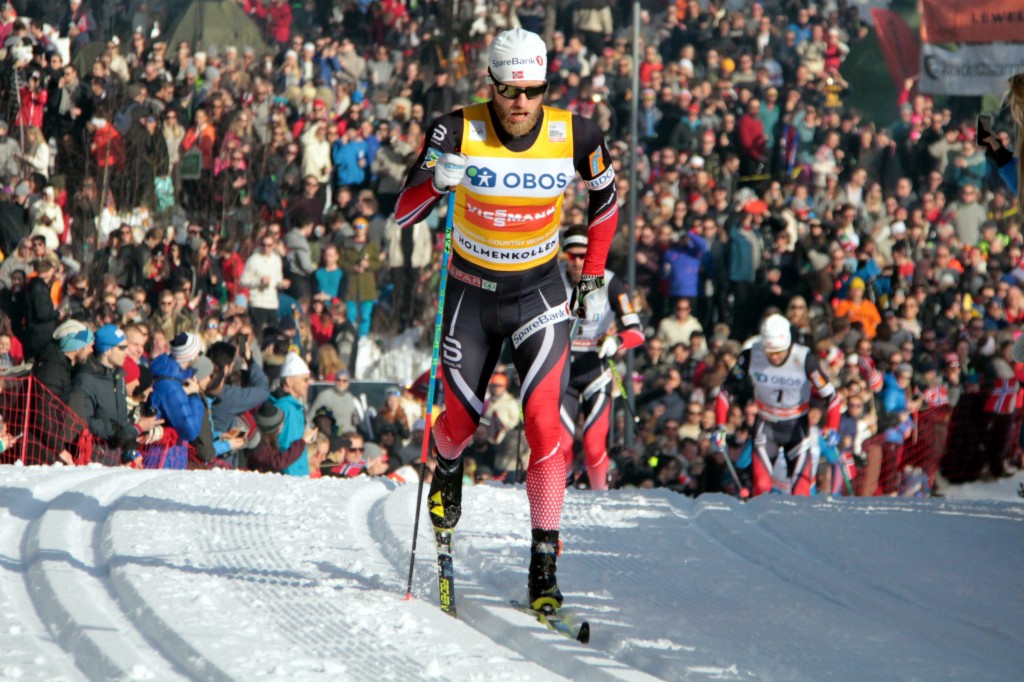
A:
{"x":452,"y":352}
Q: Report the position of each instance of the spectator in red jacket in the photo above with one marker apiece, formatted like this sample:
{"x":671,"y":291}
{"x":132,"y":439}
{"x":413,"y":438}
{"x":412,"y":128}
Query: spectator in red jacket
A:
{"x":277,"y":15}
{"x":753,"y":147}
{"x":33,"y":101}
{"x":107,"y":146}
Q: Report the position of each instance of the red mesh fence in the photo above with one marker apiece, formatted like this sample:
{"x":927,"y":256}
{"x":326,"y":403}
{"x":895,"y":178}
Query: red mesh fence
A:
{"x":44,"y":430}
{"x":963,"y":443}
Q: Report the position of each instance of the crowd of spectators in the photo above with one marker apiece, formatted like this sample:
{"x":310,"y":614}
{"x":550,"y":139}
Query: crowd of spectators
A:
{"x":213,"y":223}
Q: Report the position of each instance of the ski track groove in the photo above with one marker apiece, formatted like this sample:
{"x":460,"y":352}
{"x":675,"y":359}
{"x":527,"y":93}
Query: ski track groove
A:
{"x":27,"y":641}
{"x":302,"y":611}
{"x":69,"y":581}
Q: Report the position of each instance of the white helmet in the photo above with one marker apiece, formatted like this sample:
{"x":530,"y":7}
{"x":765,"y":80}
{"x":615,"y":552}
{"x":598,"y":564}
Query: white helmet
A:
{"x":518,"y":55}
{"x":775,"y":334}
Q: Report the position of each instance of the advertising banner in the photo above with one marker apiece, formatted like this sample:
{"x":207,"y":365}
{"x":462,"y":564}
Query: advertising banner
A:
{"x":971,"y":70}
{"x":972,"y":21}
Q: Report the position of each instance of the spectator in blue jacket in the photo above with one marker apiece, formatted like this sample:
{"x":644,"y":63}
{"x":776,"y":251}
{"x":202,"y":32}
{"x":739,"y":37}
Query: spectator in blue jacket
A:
{"x":175,"y":394}
{"x":290,"y":399}
{"x":350,"y":158}
{"x":681,"y":266}
{"x":894,"y":389}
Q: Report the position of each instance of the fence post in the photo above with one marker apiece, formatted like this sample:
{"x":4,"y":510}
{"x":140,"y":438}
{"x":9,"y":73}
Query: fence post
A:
{"x":24,"y":426}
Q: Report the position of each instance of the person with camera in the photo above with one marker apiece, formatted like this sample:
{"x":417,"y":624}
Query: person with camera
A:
{"x":509,"y":161}
{"x":32,"y":98}
{"x":232,"y":398}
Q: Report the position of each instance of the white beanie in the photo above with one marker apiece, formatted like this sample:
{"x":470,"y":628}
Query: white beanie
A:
{"x":293,"y":366}
{"x":518,"y":55}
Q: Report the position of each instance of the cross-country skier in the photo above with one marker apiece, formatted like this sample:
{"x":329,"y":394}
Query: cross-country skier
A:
{"x":590,"y":378}
{"x":509,"y":161}
{"x":783,"y":376}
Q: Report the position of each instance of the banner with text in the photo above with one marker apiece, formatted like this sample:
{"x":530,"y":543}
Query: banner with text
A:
{"x":972,"y":21}
{"x":970,"y":70}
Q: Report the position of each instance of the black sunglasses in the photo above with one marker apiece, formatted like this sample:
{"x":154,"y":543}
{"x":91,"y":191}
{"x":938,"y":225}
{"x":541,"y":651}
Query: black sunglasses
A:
{"x":513,"y":91}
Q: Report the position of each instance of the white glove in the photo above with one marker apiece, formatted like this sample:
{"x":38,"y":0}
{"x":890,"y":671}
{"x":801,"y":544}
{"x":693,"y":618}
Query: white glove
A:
{"x":609,"y":347}
{"x":449,"y":171}
{"x":589,"y":298}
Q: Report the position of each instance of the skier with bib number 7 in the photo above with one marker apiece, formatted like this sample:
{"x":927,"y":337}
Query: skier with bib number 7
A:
{"x":509,"y":161}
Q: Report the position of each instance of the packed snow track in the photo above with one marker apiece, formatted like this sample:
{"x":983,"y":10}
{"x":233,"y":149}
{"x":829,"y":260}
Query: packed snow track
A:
{"x":110,"y":574}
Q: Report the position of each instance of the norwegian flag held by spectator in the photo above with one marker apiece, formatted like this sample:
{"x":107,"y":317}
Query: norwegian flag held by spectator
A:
{"x":1003,"y":399}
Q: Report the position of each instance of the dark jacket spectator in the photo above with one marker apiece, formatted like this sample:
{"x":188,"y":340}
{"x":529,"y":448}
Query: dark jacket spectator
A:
{"x":40,"y":315}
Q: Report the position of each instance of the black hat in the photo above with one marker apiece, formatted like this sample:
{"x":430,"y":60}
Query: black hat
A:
{"x":145,"y":380}
{"x":269,"y":417}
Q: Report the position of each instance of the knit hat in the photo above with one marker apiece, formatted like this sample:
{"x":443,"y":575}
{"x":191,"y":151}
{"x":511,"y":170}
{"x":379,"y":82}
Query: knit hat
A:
{"x":269,"y":417}
{"x":185,"y":348}
{"x":202,"y":368}
{"x":109,"y":336}
{"x":72,"y":336}
{"x":293,"y":366}
{"x":131,"y":370}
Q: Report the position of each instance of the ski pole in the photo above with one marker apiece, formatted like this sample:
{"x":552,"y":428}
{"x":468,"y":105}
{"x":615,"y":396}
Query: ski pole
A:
{"x":625,"y":397}
{"x":743,"y":493}
{"x":846,"y":477}
{"x":428,"y":416}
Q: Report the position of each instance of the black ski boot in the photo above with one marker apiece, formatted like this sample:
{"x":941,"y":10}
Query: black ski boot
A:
{"x":543,"y":585}
{"x":445,"y":499}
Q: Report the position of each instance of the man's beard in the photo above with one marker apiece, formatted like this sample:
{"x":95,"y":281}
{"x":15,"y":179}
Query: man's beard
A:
{"x":518,"y":128}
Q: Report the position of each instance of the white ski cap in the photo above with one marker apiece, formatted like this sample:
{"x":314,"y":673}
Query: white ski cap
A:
{"x":775,"y":334}
{"x":294,"y":366}
{"x":518,"y":55}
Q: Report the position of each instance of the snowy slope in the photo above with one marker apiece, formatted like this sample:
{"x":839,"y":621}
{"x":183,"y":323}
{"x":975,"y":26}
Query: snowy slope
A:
{"x":117,"y":574}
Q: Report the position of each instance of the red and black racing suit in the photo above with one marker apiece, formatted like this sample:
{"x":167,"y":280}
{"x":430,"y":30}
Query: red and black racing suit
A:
{"x":590,"y":381}
{"x":503,"y":278}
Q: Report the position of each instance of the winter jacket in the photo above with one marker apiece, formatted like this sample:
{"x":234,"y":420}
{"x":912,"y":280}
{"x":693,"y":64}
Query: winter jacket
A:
{"x":681,"y":264}
{"x":894,"y":398}
{"x":346,"y":157}
{"x":53,"y":370}
{"x":99,"y":397}
{"x":41,"y":316}
{"x":234,"y":400}
{"x":745,"y":252}
{"x":258,"y":265}
{"x":292,"y":430}
{"x":182,"y":412}
{"x":9,"y":165}
{"x":300,"y":262}
{"x":362,"y":286}
{"x":264,"y":457}
{"x":342,"y":407}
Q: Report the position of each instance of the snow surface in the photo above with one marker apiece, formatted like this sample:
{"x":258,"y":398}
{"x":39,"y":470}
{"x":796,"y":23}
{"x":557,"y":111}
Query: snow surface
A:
{"x":112,"y":574}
